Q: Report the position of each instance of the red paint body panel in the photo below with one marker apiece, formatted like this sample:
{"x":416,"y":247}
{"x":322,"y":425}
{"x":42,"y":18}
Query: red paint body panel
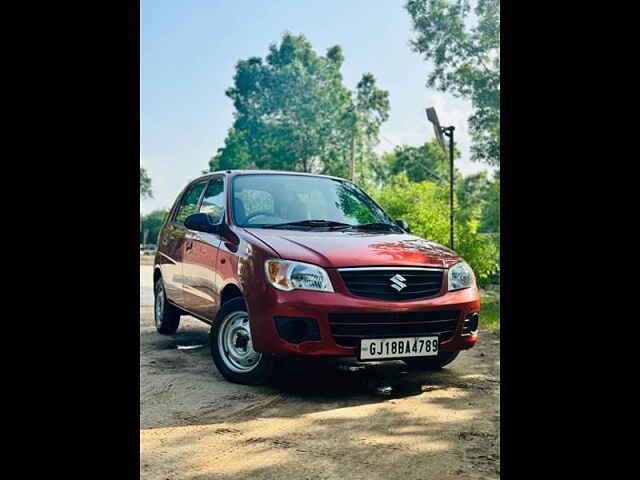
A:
{"x":356,"y":249}
{"x":236,"y":257}
{"x":199,"y":264}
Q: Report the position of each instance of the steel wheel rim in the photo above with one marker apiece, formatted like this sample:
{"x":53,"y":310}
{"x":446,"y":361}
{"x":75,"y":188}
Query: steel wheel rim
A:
{"x":159,"y":304}
{"x":235,"y":345}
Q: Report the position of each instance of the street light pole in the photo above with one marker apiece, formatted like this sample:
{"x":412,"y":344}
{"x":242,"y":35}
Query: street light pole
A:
{"x":448,"y":131}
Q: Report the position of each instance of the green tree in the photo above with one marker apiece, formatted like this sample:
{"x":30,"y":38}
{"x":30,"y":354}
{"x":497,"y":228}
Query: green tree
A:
{"x":423,"y":205}
{"x":145,"y":185}
{"x":369,"y":110}
{"x":472,"y":192}
{"x":234,"y":155}
{"x":426,"y":162}
{"x":491,"y":213}
{"x":479,"y":196}
{"x":293,"y":112}
{"x":464,"y":45}
{"x":152,"y":222}
{"x":478,"y":216}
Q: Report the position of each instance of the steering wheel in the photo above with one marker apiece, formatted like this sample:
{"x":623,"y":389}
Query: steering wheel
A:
{"x":255,"y":214}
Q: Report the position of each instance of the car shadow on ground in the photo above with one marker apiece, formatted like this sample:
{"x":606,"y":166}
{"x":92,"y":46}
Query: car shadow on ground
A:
{"x":312,"y":381}
{"x":344,"y":378}
{"x":317,"y":378}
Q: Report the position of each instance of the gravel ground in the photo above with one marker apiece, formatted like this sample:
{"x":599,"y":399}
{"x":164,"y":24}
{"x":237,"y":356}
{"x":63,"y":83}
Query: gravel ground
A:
{"x":320,"y":420}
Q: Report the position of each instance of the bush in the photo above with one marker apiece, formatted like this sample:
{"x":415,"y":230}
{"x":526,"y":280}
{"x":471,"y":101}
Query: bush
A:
{"x":425,"y":207}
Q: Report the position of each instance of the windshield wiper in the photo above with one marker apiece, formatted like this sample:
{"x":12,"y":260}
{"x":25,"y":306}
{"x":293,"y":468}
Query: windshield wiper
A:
{"x":309,"y":223}
{"x":375,"y":226}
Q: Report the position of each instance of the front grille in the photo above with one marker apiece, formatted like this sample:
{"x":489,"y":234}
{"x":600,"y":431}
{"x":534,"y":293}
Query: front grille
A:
{"x":379,"y":283}
{"x":348,"y":328}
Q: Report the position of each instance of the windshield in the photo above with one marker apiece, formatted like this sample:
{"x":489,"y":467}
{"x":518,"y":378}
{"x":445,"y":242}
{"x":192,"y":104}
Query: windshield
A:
{"x":274,"y":199}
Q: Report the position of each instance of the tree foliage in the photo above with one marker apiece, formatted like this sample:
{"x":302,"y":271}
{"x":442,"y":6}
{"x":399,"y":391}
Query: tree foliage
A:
{"x":464,"y":45}
{"x":491,"y":212}
{"x":293,"y":112}
{"x":472,"y":193}
{"x":426,"y":162}
{"x":234,"y":154}
{"x":152,"y":222}
{"x":145,"y":185}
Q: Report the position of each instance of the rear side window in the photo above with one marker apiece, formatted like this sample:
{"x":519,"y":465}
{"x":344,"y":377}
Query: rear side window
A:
{"x":189,"y":204}
{"x":213,"y":201}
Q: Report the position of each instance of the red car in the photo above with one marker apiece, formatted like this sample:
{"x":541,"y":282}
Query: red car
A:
{"x":291,"y":264}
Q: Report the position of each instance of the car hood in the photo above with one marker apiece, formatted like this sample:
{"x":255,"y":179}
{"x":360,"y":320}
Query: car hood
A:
{"x":331,"y":249}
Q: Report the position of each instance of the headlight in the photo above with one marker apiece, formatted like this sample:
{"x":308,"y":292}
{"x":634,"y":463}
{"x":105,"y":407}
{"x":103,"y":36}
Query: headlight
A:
{"x":287,"y":275}
{"x":460,"y":276}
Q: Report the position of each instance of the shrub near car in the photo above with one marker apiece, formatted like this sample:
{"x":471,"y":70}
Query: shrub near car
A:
{"x":287,"y":264}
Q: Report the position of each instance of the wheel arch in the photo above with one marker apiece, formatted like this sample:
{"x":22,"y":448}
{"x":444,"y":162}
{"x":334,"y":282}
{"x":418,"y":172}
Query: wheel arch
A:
{"x":230,"y":291}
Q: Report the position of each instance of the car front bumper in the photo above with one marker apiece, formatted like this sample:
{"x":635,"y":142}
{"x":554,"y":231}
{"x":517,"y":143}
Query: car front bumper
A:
{"x":318,"y":305}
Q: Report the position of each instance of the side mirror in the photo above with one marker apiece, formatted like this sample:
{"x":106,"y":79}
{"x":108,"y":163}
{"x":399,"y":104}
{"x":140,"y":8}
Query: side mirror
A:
{"x":200,"y":222}
{"x":403,"y":225}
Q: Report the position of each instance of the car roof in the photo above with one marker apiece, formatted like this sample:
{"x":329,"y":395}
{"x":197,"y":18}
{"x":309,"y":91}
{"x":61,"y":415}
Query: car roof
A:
{"x":234,"y":173}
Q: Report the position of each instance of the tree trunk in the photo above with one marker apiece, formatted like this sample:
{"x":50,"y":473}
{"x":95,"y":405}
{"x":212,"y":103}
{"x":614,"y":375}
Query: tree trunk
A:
{"x":353,"y":158}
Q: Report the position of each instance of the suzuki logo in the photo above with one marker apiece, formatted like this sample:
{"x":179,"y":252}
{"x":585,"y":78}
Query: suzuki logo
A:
{"x":397,"y":282}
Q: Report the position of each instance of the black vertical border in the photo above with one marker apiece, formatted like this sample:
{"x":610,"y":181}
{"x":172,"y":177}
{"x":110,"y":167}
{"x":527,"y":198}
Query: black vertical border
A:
{"x":133,"y":328}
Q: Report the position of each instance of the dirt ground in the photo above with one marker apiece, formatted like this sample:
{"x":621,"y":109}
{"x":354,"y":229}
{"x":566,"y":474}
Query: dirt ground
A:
{"x":320,"y":420}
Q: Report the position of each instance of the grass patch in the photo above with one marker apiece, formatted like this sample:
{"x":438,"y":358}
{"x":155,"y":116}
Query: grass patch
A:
{"x":490,"y":309}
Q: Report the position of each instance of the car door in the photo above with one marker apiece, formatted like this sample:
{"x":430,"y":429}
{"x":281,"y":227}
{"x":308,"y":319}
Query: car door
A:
{"x":200,"y":293}
{"x":169,"y":253}
{"x":173,"y":240}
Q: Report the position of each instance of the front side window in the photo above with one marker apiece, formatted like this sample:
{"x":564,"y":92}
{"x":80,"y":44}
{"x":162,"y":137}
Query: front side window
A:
{"x":265,"y":200}
{"x":189,"y":204}
{"x":213,"y":201}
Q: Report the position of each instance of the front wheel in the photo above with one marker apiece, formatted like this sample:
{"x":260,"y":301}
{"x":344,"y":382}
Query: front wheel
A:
{"x":431,"y":363}
{"x":232,"y":347}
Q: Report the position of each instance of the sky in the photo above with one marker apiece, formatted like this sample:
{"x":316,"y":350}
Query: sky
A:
{"x":188,"y":53}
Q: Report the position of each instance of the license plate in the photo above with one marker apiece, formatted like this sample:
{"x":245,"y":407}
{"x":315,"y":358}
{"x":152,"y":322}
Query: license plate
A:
{"x":401,"y":347}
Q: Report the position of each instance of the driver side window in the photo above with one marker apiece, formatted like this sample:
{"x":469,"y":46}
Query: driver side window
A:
{"x":213,"y":201}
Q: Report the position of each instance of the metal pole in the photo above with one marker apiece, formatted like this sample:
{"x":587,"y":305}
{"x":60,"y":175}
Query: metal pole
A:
{"x":449,"y":132}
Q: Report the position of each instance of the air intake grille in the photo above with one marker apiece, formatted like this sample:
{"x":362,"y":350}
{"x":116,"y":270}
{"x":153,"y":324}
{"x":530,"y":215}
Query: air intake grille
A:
{"x":393,"y":284}
{"x":347,"y":329}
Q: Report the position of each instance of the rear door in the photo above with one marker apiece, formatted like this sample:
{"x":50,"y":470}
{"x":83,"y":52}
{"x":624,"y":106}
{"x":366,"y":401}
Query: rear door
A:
{"x":173,"y":240}
{"x":200,"y":256}
{"x":167,"y":255}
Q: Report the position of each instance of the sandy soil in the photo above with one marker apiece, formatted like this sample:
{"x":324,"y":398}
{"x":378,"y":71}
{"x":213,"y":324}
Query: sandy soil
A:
{"x":319,"y":420}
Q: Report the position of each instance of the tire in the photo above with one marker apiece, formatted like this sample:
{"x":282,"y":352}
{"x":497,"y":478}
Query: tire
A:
{"x":232,"y":349}
{"x":431,"y":363}
{"x":166,"y":316}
